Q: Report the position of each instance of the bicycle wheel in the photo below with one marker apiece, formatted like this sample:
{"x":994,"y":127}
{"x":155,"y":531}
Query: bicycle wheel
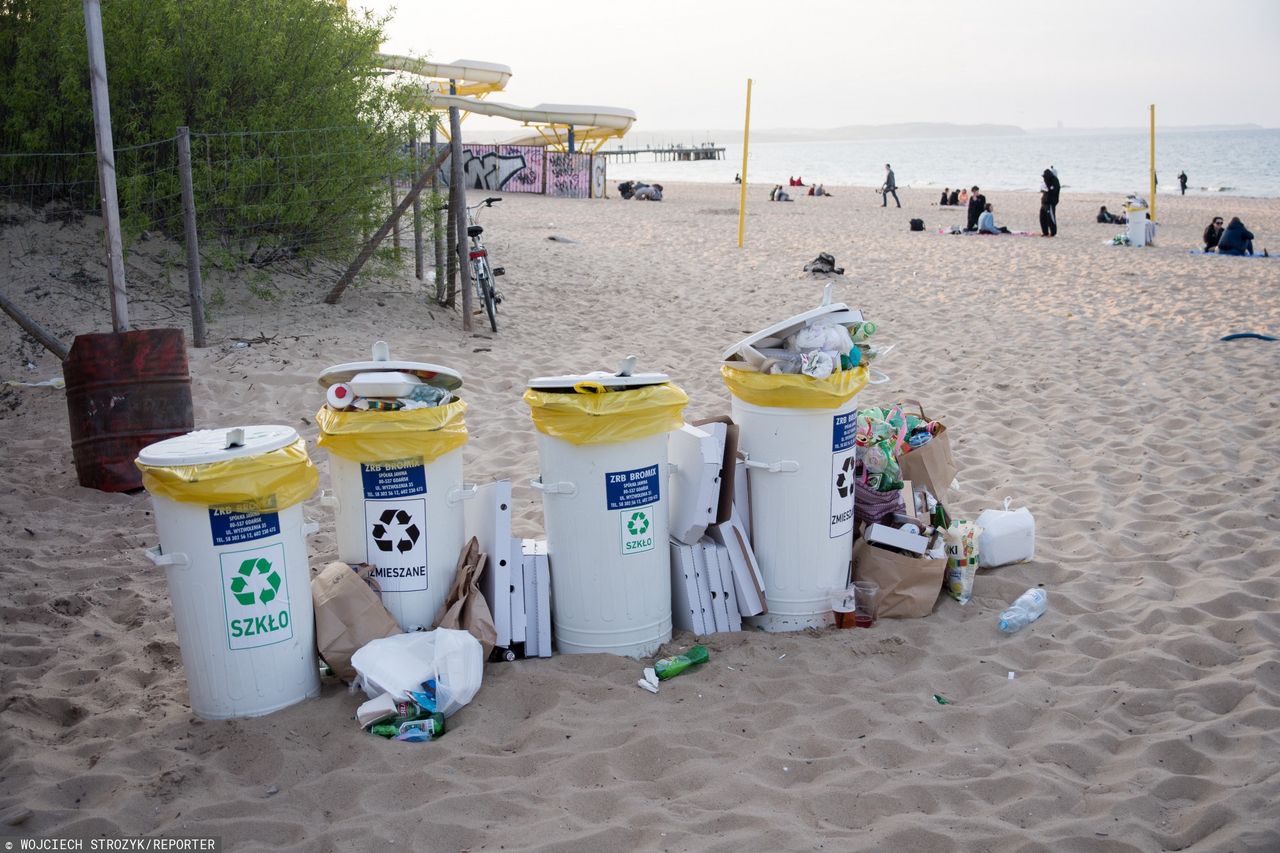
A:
{"x":484,"y":289}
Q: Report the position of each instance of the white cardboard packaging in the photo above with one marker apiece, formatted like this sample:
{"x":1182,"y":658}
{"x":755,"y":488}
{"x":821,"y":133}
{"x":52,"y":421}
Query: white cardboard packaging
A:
{"x":695,"y":483}
{"x":687,"y":611}
{"x":488,"y":518}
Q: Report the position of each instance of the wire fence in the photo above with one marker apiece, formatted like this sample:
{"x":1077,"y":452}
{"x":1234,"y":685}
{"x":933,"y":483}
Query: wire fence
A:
{"x":290,"y":200}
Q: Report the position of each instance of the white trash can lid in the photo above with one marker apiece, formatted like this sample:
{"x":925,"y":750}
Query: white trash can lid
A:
{"x":217,"y":445}
{"x":838,"y":311}
{"x":612,"y":381}
{"x":431,"y":374}
{"x":625,"y":378}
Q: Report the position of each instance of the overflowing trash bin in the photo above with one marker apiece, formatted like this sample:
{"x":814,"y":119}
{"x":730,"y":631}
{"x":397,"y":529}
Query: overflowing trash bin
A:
{"x":394,"y":431}
{"x":794,"y":387}
{"x":228,"y":510}
{"x":602,"y":451}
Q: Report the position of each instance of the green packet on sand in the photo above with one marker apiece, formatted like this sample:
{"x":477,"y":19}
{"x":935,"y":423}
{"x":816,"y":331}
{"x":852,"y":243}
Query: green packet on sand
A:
{"x":673,"y":666}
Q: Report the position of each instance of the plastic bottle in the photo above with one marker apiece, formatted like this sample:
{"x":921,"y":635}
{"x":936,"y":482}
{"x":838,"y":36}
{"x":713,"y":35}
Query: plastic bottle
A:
{"x":1029,"y":607}
{"x":673,"y":666}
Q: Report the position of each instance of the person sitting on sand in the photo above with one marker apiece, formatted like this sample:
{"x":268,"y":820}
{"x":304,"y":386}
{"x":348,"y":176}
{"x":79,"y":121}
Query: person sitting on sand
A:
{"x":946,"y":195}
{"x":1110,"y":218}
{"x":961,"y":198}
{"x":987,"y":222}
{"x":1212,"y":234}
{"x":1236,"y":239}
{"x":812,"y":190}
{"x":821,"y":190}
{"x":782,"y":195}
{"x":649,"y":193}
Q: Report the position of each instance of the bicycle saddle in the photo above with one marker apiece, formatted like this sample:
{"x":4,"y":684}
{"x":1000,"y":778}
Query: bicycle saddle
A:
{"x":475,"y":230}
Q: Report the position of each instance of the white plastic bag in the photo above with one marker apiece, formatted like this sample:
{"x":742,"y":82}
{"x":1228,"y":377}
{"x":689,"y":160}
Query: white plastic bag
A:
{"x":402,"y":662}
{"x":1008,"y":536}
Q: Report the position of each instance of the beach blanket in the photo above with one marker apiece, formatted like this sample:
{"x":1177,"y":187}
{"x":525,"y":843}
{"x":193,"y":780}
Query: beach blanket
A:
{"x":957,"y":230}
{"x":1254,"y":257}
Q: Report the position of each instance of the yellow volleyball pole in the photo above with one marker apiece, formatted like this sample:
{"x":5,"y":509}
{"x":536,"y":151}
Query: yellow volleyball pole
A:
{"x":1153,"y":162}
{"x":742,"y":197}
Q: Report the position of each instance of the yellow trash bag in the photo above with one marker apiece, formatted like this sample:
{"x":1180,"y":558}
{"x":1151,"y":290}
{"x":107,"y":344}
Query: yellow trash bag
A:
{"x":265,"y":482}
{"x":794,"y":391}
{"x":378,"y":436}
{"x":595,"y":415}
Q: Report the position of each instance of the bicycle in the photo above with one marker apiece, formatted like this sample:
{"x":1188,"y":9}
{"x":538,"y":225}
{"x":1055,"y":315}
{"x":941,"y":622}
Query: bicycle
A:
{"x":482,"y":271}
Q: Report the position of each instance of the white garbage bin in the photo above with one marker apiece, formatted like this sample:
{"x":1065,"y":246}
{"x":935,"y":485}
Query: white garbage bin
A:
{"x":398,"y":490}
{"x":228,"y":511}
{"x":798,"y":433}
{"x":602,"y":452}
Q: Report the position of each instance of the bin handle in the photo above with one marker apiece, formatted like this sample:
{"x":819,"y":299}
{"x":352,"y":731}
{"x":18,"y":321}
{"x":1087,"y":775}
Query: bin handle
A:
{"x":329,"y":498}
{"x":465,"y":492}
{"x":783,"y":466}
{"x":562,"y":488}
{"x":178,"y":560}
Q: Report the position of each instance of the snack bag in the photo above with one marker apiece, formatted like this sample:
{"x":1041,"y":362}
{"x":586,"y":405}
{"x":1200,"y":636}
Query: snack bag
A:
{"x":962,"y":559}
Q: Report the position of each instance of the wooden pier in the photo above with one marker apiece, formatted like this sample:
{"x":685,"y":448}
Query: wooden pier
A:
{"x":672,"y":153}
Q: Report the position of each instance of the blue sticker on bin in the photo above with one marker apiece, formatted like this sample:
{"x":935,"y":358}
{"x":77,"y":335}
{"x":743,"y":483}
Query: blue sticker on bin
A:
{"x":627,"y":489}
{"x":844,"y":428}
{"x":394,"y":478}
{"x":230,"y":527}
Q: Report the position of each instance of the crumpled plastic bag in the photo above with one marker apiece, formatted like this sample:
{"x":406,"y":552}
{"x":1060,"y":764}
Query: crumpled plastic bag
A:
{"x":402,"y":663}
{"x":821,"y":336}
{"x":817,"y":364}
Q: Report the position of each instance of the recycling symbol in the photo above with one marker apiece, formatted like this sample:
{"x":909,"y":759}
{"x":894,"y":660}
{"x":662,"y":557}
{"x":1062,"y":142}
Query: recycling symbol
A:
{"x":844,"y":477}
{"x":267,"y":588}
{"x":638,"y":524}
{"x":407,"y":538}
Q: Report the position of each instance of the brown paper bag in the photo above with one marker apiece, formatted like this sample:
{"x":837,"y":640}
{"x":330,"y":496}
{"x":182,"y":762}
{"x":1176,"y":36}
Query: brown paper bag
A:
{"x":465,"y":608}
{"x":348,"y":615}
{"x":909,"y":586}
{"x":930,"y":465}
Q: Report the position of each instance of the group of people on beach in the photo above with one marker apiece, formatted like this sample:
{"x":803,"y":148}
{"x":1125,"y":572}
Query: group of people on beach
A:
{"x":779,"y":193}
{"x":1235,"y":239}
{"x":640,"y":191}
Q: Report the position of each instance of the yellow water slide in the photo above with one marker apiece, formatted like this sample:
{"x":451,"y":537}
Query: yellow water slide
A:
{"x":558,"y":126}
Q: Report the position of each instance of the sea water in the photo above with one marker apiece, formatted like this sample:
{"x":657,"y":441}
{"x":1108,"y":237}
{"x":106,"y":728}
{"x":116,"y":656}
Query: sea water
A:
{"x":1236,"y":162}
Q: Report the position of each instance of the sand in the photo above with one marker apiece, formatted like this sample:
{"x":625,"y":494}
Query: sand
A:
{"x":1084,"y":380}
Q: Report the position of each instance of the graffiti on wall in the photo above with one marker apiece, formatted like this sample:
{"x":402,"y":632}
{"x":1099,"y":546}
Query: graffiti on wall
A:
{"x":529,"y":169}
{"x":569,"y":175}
{"x":597,"y":175}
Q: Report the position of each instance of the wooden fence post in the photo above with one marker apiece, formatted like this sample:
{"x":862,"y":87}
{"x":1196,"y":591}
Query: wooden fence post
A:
{"x":199,"y":336}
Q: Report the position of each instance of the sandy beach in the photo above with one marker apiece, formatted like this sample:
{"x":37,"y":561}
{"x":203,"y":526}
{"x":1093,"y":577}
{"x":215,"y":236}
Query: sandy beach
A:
{"x":1087,"y":381}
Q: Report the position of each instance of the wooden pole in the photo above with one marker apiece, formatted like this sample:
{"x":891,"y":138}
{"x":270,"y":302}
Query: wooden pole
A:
{"x":34,"y":329}
{"x":395,"y":232}
{"x":742,"y":192}
{"x":1153,"y":162}
{"x":458,"y":197}
{"x":194,"y":283}
{"x":106,"y":164}
{"x":419,"y":269}
{"x":381,"y":234}
{"x":437,"y":226}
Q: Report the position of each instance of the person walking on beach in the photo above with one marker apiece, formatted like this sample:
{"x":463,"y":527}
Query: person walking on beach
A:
{"x":890,"y":187}
{"x":1182,"y":181}
{"x":1049,"y":203}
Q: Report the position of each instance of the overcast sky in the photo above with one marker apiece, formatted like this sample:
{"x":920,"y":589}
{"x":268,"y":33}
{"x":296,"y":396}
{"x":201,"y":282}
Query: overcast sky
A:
{"x":823,"y":63}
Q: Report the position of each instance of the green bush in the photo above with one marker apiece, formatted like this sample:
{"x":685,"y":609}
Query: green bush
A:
{"x":295,"y":129}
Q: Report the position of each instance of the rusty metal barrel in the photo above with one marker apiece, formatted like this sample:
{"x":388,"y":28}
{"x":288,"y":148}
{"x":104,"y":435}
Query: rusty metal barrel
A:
{"x":125,"y":390}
